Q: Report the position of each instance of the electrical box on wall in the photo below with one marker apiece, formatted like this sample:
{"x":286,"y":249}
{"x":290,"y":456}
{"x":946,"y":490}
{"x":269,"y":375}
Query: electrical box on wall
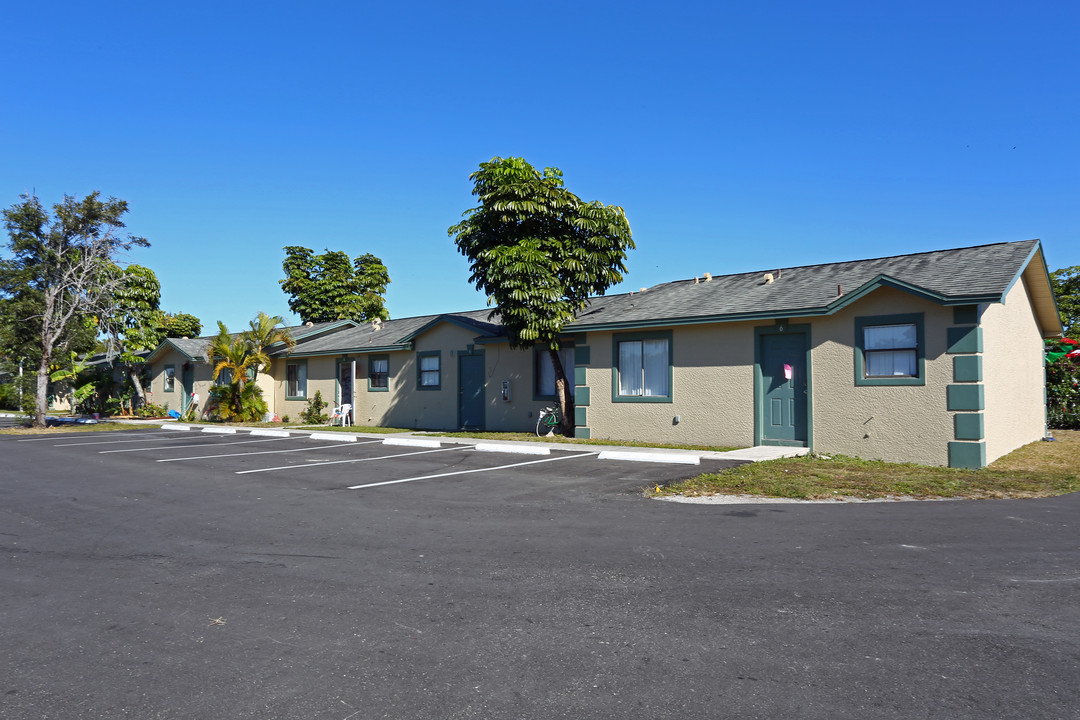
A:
{"x":506,"y":390}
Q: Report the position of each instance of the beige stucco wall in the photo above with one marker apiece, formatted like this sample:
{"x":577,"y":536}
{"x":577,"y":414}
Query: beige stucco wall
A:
{"x":175,"y":399}
{"x":320,"y":377}
{"x":899,"y":423}
{"x":519,"y":368}
{"x":712,"y":390}
{"x":1013,"y":374}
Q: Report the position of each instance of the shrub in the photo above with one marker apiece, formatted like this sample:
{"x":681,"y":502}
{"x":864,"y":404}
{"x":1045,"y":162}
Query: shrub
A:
{"x":1063,"y":393}
{"x":313,"y":414}
{"x":232,"y":403}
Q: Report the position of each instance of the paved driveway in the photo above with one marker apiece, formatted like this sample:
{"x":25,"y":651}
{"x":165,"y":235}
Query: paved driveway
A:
{"x":184,"y":589}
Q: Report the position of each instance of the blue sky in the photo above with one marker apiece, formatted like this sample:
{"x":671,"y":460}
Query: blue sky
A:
{"x":737,"y":136}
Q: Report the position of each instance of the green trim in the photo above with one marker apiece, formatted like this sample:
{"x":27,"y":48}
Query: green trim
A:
{"x":969,"y":426}
{"x":419,"y":372}
{"x":920,"y":349}
{"x":582,"y":395}
{"x":1020,"y":273}
{"x":964,"y":340}
{"x":967,"y":368}
{"x":965,"y":315}
{"x":639,"y":336}
{"x":581,"y":416}
{"x":582,"y":355}
{"x":970,"y":455}
{"x":965,"y":397}
{"x":759,"y":385}
{"x":583,"y":432}
{"x":579,"y":375}
{"x":298,"y":363}
{"x":353,"y":351}
{"x":371,"y":359}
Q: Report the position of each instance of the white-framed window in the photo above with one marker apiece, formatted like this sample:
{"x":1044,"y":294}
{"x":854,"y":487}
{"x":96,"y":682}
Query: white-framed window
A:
{"x":544,"y":382}
{"x":170,"y":378}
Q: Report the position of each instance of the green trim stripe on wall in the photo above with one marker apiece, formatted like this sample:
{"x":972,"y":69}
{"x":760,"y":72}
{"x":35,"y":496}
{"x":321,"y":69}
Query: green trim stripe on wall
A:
{"x":969,"y":426}
{"x":964,"y":340}
{"x":965,"y":315}
{"x":967,"y":368}
{"x":968,"y":455}
{"x":965,"y":397}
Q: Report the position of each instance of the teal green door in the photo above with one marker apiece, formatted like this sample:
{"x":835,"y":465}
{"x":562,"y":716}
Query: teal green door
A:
{"x":784,"y":389}
{"x":471,"y":391}
{"x":187,"y":386}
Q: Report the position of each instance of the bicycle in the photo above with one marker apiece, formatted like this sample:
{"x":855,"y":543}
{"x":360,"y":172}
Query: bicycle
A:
{"x":548,"y":420}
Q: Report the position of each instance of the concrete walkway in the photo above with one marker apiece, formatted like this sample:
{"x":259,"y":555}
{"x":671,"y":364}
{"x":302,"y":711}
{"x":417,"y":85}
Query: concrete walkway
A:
{"x":605,"y":452}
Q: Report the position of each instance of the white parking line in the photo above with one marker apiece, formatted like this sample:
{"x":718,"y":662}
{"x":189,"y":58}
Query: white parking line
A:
{"x":468,"y":472}
{"x":185,"y":447}
{"x":261,"y":452}
{"x":156,"y":438}
{"x":72,"y":436}
{"x":356,"y":460}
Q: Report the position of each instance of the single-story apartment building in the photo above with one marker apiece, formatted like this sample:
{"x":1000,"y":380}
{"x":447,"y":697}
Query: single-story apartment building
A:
{"x":935,"y":358}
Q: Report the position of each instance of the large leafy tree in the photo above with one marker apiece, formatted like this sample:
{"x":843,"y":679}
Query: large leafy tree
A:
{"x":540,"y":252}
{"x":137,"y":324}
{"x":62,"y":265}
{"x":330,"y":286}
{"x":178,"y":325}
{"x":1066,"y":284}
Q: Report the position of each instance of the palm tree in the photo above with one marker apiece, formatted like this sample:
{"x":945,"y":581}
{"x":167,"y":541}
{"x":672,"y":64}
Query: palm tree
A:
{"x":263,"y":333}
{"x":240,"y":398}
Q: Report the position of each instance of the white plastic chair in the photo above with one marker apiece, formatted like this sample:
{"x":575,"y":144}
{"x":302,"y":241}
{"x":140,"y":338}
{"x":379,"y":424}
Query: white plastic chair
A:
{"x":343,"y":413}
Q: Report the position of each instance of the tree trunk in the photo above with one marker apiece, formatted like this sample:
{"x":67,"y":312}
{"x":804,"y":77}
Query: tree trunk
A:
{"x":562,"y":392}
{"x":134,"y":373}
{"x":41,"y":404}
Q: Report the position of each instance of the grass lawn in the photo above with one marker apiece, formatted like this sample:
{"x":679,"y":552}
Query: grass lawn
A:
{"x":101,"y":426}
{"x":1040,"y":469}
{"x":531,"y":437}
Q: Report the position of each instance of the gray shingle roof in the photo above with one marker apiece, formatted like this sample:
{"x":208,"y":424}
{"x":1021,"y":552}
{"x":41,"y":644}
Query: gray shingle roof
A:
{"x":969,"y":274}
{"x":391,"y":334}
{"x":966,"y":275}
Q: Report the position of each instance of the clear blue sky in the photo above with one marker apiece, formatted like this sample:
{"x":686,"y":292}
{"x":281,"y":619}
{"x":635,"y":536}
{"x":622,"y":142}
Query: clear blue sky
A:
{"x":737,"y":136}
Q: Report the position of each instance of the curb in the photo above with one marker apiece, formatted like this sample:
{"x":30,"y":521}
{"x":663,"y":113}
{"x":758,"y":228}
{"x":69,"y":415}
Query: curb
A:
{"x":508,"y":448}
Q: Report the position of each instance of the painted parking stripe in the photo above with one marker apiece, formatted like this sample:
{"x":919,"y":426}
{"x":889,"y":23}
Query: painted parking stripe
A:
{"x":261,"y":452}
{"x":155,"y":438}
{"x":185,"y":447}
{"x":355,"y":460}
{"x":470,"y":472}
{"x":72,"y":436}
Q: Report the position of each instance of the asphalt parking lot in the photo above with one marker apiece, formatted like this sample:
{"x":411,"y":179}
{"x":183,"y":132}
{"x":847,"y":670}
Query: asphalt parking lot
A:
{"x":171,"y":574}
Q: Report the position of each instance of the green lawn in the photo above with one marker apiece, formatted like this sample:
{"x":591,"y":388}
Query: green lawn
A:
{"x":1040,"y":469}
